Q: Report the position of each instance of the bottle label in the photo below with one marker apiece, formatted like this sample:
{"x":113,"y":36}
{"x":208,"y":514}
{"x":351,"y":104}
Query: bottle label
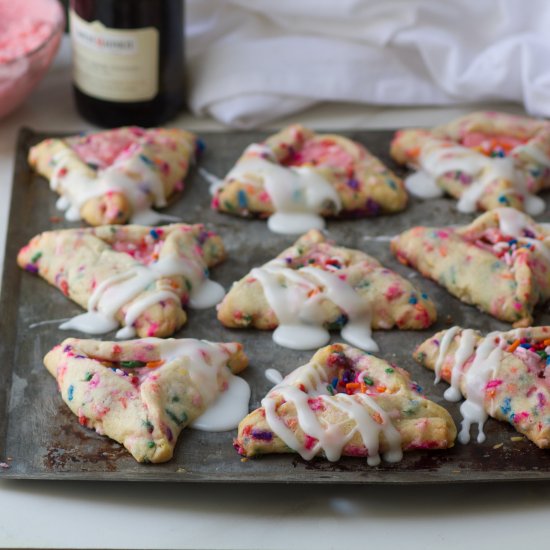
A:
{"x":114,"y":64}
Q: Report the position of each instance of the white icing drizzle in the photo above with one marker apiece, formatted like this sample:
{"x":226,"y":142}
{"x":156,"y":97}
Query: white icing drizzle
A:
{"x":512,"y":223}
{"x":91,"y":322}
{"x":298,"y":194}
{"x":331,"y":438}
{"x":214,"y":181}
{"x":536,"y":153}
{"x":370,"y":429}
{"x":435,"y":161}
{"x":357,"y":330}
{"x":297,"y":301}
{"x":62,"y":202}
{"x":206,"y":294}
{"x":443,"y":348}
{"x":495,"y":168}
{"x":486,"y":359}
{"x":420,"y":184}
{"x":108,"y":297}
{"x":274,"y":376}
{"x":121,"y":288}
{"x":228,"y":410}
{"x":139,"y":306}
{"x":134,"y":178}
{"x":207,"y":362}
{"x":48,"y":322}
{"x":534,"y":205}
{"x":462,"y":354}
{"x":300,"y":337}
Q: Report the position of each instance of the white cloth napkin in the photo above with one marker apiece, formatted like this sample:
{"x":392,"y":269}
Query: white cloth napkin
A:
{"x":251,"y":61}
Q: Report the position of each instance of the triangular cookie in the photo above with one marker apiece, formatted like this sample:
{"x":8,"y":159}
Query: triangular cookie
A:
{"x":297,"y":177}
{"x":142,"y":393}
{"x":315,"y":286}
{"x":486,"y":160}
{"x":135,"y":276}
{"x":500,"y":262}
{"x":115,"y":175}
{"x":345,"y":403}
{"x":504,"y":375}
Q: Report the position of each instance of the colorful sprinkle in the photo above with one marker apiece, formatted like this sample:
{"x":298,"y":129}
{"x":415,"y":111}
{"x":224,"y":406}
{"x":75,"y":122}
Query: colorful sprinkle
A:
{"x":181,"y":420}
{"x":155,"y":364}
{"x":242,"y":199}
{"x":132,"y":364}
{"x":514,"y":346}
{"x":262,"y":435}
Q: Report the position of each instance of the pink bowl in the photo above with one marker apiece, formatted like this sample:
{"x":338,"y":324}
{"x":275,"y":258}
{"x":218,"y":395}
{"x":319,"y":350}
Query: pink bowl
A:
{"x":21,"y":73}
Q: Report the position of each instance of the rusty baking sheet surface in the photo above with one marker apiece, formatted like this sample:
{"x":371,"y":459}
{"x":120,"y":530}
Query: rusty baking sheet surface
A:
{"x":40,"y":437}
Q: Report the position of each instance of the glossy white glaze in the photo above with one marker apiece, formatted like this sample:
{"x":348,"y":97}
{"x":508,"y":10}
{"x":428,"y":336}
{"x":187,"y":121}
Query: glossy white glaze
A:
{"x":139,"y":306}
{"x":462,"y":354}
{"x":443,"y":348}
{"x":536,"y":153}
{"x":472,"y":382}
{"x":214,"y":181}
{"x":296,"y":297}
{"x":206,"y":294}
{"x":357,"y":330}
{"x":139,"y":287}
{"x":331,"y":438}
{"x":294,"y":223}
{"x":512,"y":222}
{"x":298,"y":194}
{"x":300,"y":337}
{"x":436,"y":160}
{"x":494,"y":169}
{"x":134,"y":178}
{"x":274,"y":376}
{"x":422,"y":185}
{"x":225,"y":397}
{"x":486,"y":360}
{"x":228,"y":410}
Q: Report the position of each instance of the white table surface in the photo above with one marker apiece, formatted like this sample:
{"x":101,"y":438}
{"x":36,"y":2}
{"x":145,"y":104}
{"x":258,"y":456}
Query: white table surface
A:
{"x":43,"y":514}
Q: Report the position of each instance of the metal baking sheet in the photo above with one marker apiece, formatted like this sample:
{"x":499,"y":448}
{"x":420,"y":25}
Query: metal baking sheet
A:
{"x":40,"y":437}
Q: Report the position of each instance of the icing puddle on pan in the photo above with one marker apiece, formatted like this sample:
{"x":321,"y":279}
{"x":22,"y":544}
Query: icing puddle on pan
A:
{"x":41,"y":438}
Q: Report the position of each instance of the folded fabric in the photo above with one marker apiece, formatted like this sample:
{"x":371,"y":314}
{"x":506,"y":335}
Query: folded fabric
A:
{"x":252,"y":61}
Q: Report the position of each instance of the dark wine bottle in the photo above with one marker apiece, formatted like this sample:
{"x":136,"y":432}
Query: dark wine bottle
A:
{"x":128,"y":60}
